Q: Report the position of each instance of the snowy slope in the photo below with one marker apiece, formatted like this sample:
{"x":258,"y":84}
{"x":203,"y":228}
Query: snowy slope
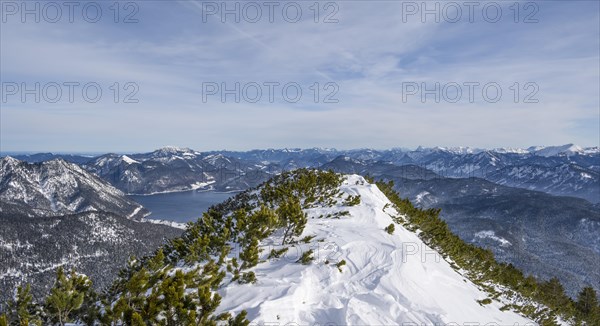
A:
{"x":388,"y":279}
{"x":57,"y":187}
{"x":547,"y":151}
{"x":565,"y":179}
{"x":172,"y":169}
{"x":96,"y":243}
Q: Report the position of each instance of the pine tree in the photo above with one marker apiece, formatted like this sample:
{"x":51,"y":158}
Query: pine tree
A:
{"x":225,"y":250}
{"x":262,"y":222}
{"x":63,"y":299}
{"x":208,"y":303}
{"x":352,"y":200}
{"x":152,"y":307}
{"x":198,"y":249}
{"x":89,"y":311}
{"x":23,"y":310}
{"x":306,"y":257}
{"x":249,"y":256}
{"x":246,"y":278}
{"x":587,"y":302}
{"x":136,"y":320}
{"x":554,"y":293}
{"x":390,"y":228}
{"x":291,"y":218}
{"x":121,"y":311}
{"x":158,"y":261}
{"x":137,"y":284}
{"x":241,"y":218}
{"x":240,"y":319}
{"x":173,"y":292}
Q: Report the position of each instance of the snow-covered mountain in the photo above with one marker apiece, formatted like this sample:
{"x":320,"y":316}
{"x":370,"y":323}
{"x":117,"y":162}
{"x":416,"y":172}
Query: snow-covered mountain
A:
{"x":55,"y":213}
{"x":560,"y":170}
{"x":41,"y":157}
{"x":564,"y":150}
{"x":56,"y":187}
{"x":566,"y":172}
{"x":173,"y":169}
{"x":387,"y":278}
{"x":565,"y":179}
{"x":347,"y":165}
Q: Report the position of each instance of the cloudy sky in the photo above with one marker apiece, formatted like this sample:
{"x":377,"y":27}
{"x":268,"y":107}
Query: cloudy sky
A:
{"x":375,"y":74}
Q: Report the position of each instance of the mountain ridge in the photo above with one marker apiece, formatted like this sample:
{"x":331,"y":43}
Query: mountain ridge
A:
{"x":57,"y":187}
{"x":172,"y":169}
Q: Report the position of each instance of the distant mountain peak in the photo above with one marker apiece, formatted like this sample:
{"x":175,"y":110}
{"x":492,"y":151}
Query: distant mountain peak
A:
{"x":9,"y":160}
{"x":547,"y":151}
{"x":510,"y":150}
{"x":347,"y":158}
{"x":171,"y":150}
{"x":57,"y":187}
{"x":128,"y":159}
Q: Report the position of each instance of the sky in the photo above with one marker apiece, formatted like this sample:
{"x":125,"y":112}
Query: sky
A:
{"x":141,"y":75}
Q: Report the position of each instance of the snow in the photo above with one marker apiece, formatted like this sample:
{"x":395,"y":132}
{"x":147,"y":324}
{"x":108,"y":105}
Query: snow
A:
{"x":491,"y":235}
{"x":101,"y":231}
{"x":9,"y":160}
{"x":568,"y":149}
{"x":548,"y":151}
{"x":14,"y":245}
{"x":173,"y":149}
{"x":199,"y":185}
{"x":128,"y":159}
{"x":135,"y":211}
{"x":507,"y":150}
{"x":420,"y":196}
{"x":387,"y":279}
{"x":459,"y":150}
{"x":191,"y":187}
{"x":591,"y":150}
{"x":172,"y":224}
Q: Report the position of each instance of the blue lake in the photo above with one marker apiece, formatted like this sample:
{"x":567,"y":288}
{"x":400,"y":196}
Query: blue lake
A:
{"x":180,"y":206}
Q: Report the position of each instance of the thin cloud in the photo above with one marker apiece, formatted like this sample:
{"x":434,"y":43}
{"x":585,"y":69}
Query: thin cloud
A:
{"x":369,"y":54}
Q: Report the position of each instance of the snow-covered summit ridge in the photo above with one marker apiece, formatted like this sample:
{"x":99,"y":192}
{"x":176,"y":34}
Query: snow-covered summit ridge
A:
{"x":545,"y":151}
{"x":313,"y":247}
{"x":568,"y":149}
{"x":173,"y":150}
{"x":549,"y":151}
{"x":386,"y":279}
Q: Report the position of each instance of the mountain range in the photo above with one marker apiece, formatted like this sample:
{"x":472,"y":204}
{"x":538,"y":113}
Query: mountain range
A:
{"x":566,"y":170}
